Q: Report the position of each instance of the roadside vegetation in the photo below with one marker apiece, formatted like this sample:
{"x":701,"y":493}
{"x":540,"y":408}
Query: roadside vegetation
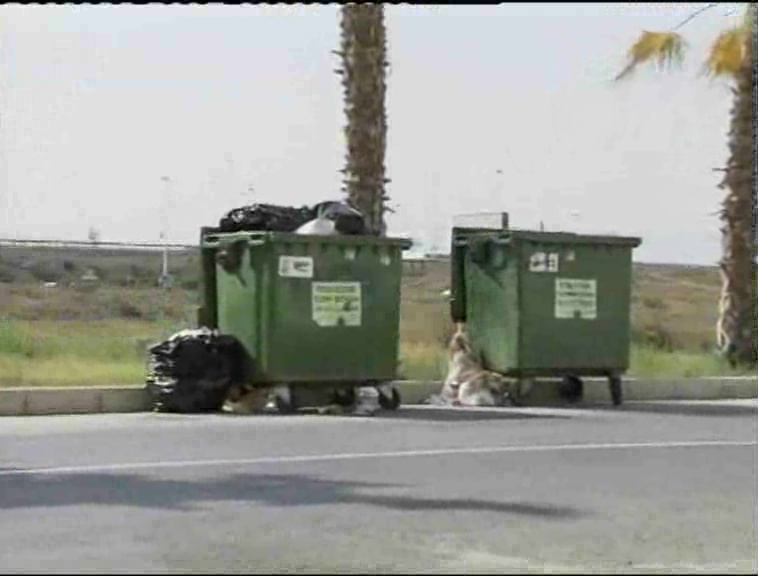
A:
{"x":95,"y":333}
{"x":77,"y":334}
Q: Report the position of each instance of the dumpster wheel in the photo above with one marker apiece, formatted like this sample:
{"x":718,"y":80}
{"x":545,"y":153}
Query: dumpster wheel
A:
{"x":519,"y":391}
{"x":285,"y":401}
{"x":617,"y":395}
{"x":390,"y":401}
{"x":572,"y":388}
{"x":345,"y":397}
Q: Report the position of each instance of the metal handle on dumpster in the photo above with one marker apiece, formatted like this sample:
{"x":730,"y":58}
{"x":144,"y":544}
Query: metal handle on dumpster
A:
{"x":214,"y":240}
{"x":230,"y":257}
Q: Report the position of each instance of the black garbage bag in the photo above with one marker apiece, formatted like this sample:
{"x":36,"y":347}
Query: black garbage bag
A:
{"x":273,"y":218}
{"x":347,"y":220}
{"x":193,"y":370}
{"x":265,"y":217}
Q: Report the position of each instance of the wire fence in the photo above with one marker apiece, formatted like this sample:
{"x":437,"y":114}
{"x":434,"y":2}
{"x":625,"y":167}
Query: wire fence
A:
{"x":95,"y":245}
{"x":69,"y":263}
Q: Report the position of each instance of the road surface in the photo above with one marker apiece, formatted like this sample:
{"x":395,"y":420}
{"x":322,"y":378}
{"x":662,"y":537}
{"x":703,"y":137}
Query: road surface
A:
{"x":655,"y":487}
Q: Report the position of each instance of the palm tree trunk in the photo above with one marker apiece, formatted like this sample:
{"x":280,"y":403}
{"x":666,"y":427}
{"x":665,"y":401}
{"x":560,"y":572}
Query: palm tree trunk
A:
{"x":363,"y":53}
{"x":738,"y":319}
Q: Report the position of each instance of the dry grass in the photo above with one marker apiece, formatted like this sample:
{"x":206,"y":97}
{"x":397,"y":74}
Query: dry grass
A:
{"x":676,"y":307}
{"x":68,"y":335}
{"x":35,"y":302}
{"x":674,"y":310}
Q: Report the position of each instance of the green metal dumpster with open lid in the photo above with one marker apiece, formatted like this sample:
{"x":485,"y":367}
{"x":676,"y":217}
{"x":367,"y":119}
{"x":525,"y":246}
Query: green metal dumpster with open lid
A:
{"x":545,"y":304}
{"x":309,"y":310}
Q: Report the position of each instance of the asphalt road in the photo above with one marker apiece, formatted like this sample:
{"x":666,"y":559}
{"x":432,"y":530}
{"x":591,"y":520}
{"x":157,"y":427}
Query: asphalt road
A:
{"x":645,"y":488}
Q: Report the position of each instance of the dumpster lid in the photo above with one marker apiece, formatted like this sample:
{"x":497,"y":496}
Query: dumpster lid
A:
{"x":265,"y":237}
{"x":573,"y":238}
{"x":505,"y":236}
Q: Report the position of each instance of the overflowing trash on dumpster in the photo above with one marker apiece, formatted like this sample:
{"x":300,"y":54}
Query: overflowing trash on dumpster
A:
{"x":221,"y":367}
{"x":334,"y":216}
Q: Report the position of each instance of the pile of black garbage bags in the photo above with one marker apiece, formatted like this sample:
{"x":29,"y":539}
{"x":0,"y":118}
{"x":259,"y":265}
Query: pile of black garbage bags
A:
{"x":322,"y":218}
{"x":193,"y":371}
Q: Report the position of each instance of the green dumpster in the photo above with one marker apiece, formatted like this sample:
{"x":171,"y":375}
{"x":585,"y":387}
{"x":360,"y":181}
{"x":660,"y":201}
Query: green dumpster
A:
{"x":545,"y":304}
{"x":310,"y":311}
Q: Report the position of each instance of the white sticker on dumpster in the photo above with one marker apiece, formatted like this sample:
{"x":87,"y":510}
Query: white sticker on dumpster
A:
{"x":544,"y":262}
{"x":575,"y":298}
{"x":296,"y":266}
{"x":336,"y":303}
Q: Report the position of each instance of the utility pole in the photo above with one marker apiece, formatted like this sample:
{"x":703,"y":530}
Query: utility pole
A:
{"x":576,"y":217}
{"x":497,"y":200}
{"x":165,"y":278}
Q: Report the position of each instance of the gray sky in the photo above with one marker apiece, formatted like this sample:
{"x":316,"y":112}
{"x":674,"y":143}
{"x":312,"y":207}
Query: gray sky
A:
{"x":99,"y":102}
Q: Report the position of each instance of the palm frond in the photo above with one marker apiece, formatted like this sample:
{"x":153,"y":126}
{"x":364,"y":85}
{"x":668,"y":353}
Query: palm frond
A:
{"x":665,"y":48}
{"x":727,"y":52}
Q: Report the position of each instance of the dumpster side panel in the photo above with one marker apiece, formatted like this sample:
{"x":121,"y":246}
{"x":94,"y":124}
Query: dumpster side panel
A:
{"x":239,"y":306}
{"x":338,"y":321}
{"x":207,"y":313}
{"x":493,"y":308}
{"x":459,"y":248}
{"x":457,"y":277}
{"x":312,"y":309}
{"x":575,"y":307}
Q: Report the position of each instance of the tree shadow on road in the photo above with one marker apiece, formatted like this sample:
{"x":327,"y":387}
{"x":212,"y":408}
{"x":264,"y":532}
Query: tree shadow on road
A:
{"x":144,"y":491}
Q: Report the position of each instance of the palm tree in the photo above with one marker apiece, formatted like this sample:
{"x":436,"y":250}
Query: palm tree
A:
{"x":363,"y":53}
{"x":731,"y":55}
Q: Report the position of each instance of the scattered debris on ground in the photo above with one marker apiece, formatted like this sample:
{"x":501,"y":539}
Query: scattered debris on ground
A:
{"x":467,"y":382}
{"x":258,"y":400}
{"x":199,"y":371}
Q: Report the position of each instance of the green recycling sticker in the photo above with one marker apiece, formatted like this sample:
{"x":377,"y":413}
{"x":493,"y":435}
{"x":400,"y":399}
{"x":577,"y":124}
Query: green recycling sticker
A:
{"x":336,"y":303}
{"x":575,"y":298}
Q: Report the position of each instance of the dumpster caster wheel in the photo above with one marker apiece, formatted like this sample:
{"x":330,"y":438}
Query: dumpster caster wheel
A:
{"x":285,"y":401}
{"x":617,"y":396}
{"x":345,"y":397}
{"x":572,"y":388}
{"x":519,"y":391}
{"x":391,"y":401}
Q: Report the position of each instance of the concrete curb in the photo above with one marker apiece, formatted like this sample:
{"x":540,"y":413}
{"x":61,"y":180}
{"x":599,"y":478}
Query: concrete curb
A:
{"x":122,"y":399}
{"x":596,"y":390}
{"x":79,"y":400}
